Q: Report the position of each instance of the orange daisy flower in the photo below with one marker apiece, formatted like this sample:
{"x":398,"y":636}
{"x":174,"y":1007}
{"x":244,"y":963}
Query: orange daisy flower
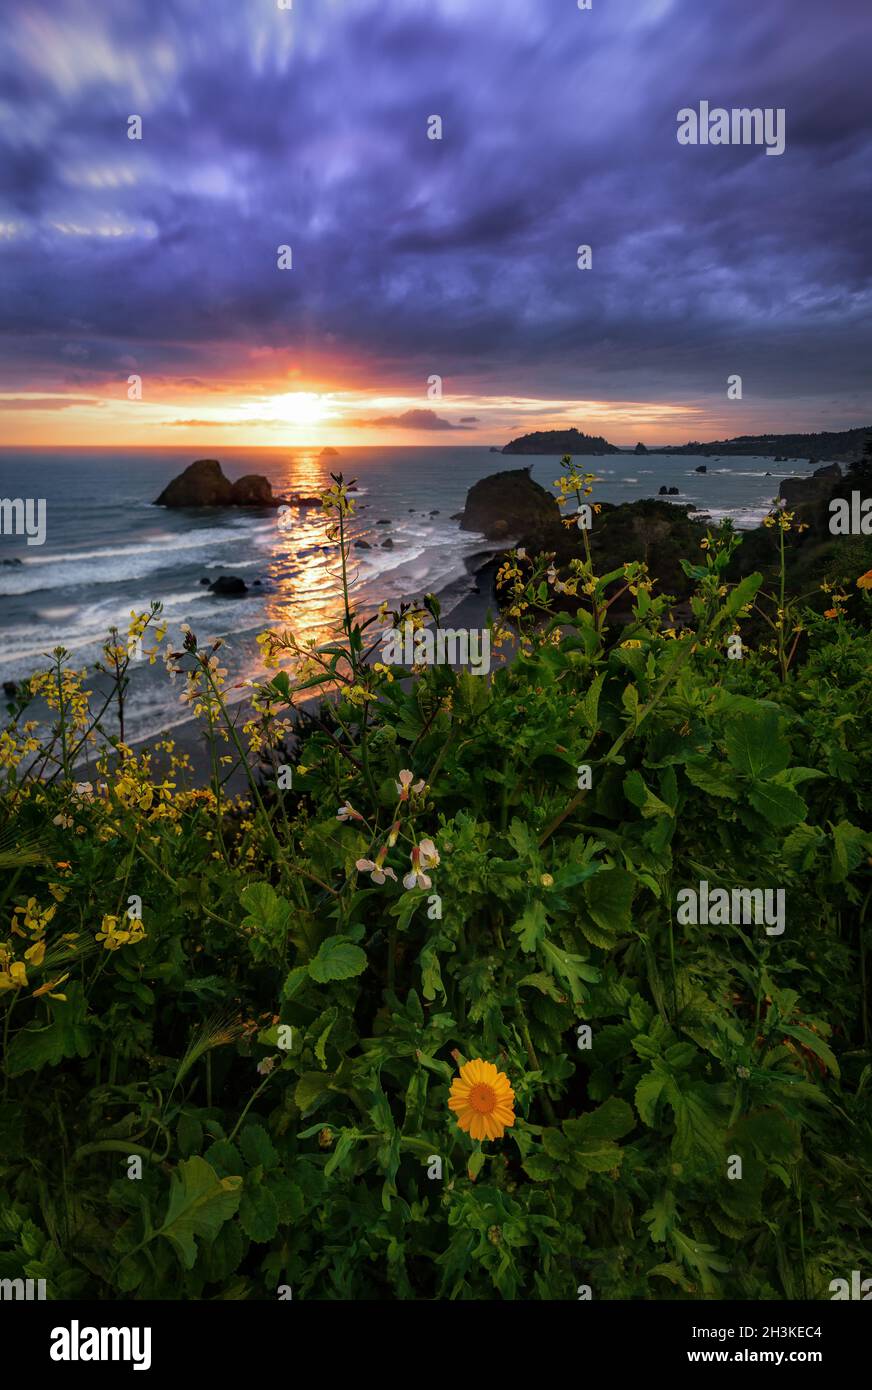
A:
{"x":481,"y":1098}
{"x":865,"y":580}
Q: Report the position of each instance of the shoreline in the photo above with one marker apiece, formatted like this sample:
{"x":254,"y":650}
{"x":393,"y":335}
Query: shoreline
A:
{"x":188,"y":735}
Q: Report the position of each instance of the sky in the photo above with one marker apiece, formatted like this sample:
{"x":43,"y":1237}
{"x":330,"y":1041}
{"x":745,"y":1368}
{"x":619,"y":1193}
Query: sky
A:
{"x":434,"y":294}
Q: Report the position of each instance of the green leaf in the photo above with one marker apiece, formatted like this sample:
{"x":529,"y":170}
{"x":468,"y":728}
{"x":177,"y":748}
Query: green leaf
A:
{"x":640,"y":794}
{"x":609,"y":896}
{"x":66,"y":1036}
{"x":258,"y":1213}
{"x":199,"y":1204}
{"x":755,"y":747}
{"x":225,"y":1158}
{"x":779,"y":804}
{"x":267,"y":911}
{"x":189,"y":1133}
{"x":814,"y":1044}
{"x":647,"y":1095}
{"x":522,"y":838}
{"x":850,"y":847}
{"x":573,"y":969}
{"x":743,"y":593}
{"x":589,"y":706}
{"x":611,"y":1120}
{"x":531,"y":926}
{"x":257,"y":1147}
{"x":712,"y":781}
{"x":337,"y":959}
{"x":660,"y":1215}
{"x":294,"y":982}
{"x":310,"y":1087}
{"x":476,"y":1163}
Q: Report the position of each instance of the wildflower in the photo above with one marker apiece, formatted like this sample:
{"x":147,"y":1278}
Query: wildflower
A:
{"x":114,"y":938}
{"x":49,"y":988}
{"x":831,"y":613}
{"x":547,"y":880}
{"x":265,"y":1066}
{"x":424,"y":856}
{"x":375,"y":868}
{"x":405,"y":783}
{"x":35,"y":953}
{"x":482,"y":1098}
{"x":347,"y":812}
{"x":15,"y":977}
{"x":865,"y":580}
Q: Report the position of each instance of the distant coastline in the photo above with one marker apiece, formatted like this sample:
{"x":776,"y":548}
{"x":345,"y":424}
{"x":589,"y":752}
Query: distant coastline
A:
{"x":840,"y":445}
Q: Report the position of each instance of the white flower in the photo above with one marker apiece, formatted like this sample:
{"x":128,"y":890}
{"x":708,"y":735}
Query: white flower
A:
{"x":265,"y":1067}
{"x":521,"y":553}
{"x":424,"y":856}
{"x":405,"y":783}
{"x":375,"y":869}
{"x":429,"y":854}
{"x":85,"y":790}
{"x":347,"y":812}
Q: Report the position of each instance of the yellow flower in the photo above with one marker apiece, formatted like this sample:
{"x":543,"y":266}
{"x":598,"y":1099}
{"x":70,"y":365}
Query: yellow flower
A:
{"x":35,"y":953}
{"x":481,"y":1098}
{"x":547,"y":880}
{"x":865,"y":580}
{"x":15,"y":977}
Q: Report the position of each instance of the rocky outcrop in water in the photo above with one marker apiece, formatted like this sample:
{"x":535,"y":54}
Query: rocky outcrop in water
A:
{"x":510,"y":506}
{"x":203,"y":484}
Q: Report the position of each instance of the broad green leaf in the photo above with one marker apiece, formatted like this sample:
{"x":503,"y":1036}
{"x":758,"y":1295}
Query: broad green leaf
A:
{"x":609,"y":897}
{"x":814,"y":1044}
{"x":714,"y":781}
{"x":337,"y":959}
{"x":68,"y":1035}
{"x":611,"y":1120}
{"x":743,"y":593}
{"x":850,"y":847}
{"x":266,"y":910}
{"x":199,"y":1204}
{"x":755,"y":747}
{"x":258,"y":1213}
{"x":779,"y":804}
{"x":257,"y":1147}
{"x":640,"y":795}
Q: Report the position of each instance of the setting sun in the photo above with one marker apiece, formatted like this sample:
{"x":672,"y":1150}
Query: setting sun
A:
{"x":300,"y":407}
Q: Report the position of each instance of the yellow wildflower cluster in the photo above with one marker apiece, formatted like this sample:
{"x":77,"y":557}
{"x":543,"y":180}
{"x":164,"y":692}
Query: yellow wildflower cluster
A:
{"x":16,"y":745}
{"x":30,"y":923}
{"x":571,"y":483}
{"x":114,"y":937}
{"x":336,"y":499}
{"x":62,"y":690}
{"x":785,"y":521}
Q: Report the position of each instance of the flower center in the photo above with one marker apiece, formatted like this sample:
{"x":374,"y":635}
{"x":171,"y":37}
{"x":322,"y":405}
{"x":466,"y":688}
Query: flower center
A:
{"x":482,"y":1099}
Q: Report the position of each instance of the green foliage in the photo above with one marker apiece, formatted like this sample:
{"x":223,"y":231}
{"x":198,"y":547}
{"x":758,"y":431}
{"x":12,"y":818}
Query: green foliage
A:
{"x":253,"y":1093}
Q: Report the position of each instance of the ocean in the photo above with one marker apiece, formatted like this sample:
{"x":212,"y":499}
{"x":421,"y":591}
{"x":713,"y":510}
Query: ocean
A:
{"x":108,"y":550}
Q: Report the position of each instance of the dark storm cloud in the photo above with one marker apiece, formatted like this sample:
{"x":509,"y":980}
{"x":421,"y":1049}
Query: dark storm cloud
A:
{"x":414,"y":420}
{"x":410,"y":256}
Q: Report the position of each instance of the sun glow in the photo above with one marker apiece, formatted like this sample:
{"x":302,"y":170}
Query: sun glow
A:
{"x":300,"y":408}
